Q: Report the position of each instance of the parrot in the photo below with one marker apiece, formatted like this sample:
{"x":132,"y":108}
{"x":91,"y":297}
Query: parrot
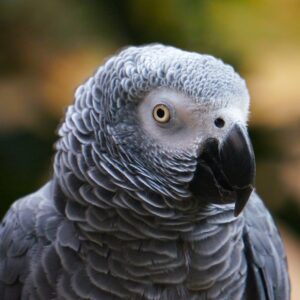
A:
{"x":152,"y":193}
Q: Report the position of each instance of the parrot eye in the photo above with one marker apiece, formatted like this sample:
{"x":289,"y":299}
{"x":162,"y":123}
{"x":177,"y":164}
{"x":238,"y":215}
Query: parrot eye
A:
{"x":161,"y":113}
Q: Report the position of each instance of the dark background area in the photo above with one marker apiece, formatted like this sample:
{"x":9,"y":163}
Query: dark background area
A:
{"x":48,"y":49}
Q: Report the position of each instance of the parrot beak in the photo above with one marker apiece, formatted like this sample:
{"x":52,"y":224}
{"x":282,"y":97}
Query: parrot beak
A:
{"x":225,"y":172}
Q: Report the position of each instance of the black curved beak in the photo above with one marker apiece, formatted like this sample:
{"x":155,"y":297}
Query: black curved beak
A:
{"x":225,"y":172}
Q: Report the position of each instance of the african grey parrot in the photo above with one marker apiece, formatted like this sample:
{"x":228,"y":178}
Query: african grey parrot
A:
{"x":152,"y":173}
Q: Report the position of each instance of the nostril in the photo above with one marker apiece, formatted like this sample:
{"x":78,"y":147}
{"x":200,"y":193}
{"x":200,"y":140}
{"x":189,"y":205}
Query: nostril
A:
{"x":219,"y":122}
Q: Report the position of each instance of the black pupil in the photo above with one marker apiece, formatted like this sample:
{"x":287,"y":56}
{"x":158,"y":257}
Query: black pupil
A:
{"x":160,"y":113}
{"x":219,"y":122}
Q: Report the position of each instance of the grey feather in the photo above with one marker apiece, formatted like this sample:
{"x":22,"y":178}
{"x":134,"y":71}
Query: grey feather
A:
{"x":265,"y":253}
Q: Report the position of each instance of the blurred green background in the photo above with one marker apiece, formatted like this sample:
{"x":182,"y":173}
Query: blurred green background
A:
{"x":48,"y":48}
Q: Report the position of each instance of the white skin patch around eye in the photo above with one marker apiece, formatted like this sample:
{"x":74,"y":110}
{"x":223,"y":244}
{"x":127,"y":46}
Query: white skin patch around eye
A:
{"x":189,"y":123}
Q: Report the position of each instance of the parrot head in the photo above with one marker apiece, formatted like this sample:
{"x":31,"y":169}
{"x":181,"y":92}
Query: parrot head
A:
{"x":175,"y":124}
